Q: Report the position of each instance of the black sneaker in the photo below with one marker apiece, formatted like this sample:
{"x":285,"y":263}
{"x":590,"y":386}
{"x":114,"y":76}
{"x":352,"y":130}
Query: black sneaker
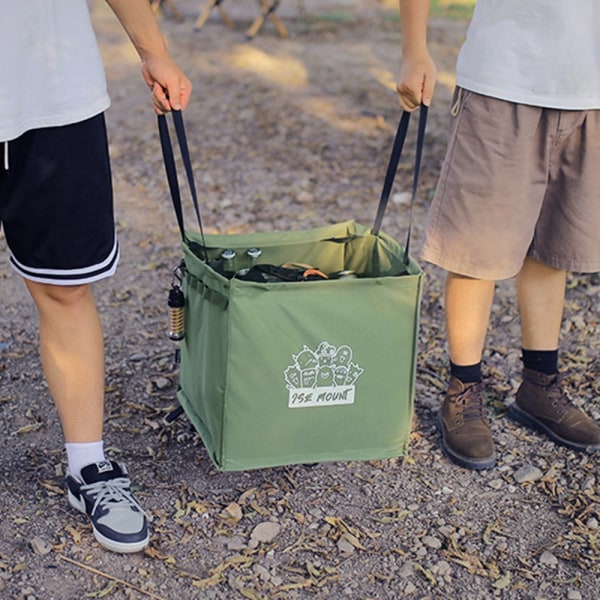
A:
{"x":104,"y":494}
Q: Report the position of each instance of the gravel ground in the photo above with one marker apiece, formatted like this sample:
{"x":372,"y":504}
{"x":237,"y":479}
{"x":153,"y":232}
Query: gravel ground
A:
{"x":288,"y":133}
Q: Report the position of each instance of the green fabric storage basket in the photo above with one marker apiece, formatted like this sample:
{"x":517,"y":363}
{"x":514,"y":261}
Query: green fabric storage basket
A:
{"x":299,"y":372}
{"x":283,"y":373}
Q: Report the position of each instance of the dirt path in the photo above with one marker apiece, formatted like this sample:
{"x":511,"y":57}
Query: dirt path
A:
{"x":288,"y":133}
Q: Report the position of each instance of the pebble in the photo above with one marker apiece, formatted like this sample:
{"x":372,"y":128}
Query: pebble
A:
{"x":305,"y":197}
{"x":432,"y":542}
{"x":548,"y":559}
{"x":407,"y":569}
{"x":265,"y":532}
{"x":261,"y":572}
{"x":345,"y":547}
{"x":161,"y":383}
{"x":236,"y":543}
{"x":442,"y":568}
{"x":592,"y":523}
{"x":40,"y":546}
{"x":496,"y":484}
{"x":528,"y":473}
{"x":574,"y":595}
{"x":401,"y":198}
{"x":409,"y":589}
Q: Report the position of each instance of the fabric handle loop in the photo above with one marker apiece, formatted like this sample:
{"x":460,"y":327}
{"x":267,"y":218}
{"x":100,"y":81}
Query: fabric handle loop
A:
{"x":393,"y":168}
{"x":171,"y":170}
{"x":169,"y":160}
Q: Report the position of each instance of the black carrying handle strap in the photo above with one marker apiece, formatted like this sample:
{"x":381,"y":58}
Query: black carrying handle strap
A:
{"x":393,"y":167}
{"x":171,"y":170}
{"x":169,"y":160}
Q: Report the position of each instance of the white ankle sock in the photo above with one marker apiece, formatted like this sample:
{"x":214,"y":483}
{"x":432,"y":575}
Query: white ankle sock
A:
{"x":80,"y":455}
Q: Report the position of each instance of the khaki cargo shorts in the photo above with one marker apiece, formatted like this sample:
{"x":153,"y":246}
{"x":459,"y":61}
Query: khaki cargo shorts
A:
{"x":516,"y":181}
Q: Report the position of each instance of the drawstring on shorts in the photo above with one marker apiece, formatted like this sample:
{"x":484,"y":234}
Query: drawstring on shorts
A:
{"x":6,"y":156}
{"x":454,"y":110}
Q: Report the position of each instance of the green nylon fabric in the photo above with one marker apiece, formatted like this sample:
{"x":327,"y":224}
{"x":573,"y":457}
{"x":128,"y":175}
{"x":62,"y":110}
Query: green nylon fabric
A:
{"x":296,"y":372}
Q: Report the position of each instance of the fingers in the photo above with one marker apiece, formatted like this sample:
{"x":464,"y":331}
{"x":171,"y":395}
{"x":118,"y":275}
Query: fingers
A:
{"x":171,"y":89}
{"x":409,"y":98}
{"x":414,"y":91}
{"x":416,"y":83}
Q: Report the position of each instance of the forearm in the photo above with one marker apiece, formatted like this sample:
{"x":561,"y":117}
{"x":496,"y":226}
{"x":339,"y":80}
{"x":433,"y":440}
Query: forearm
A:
{"x":414,"y":15}
{"x":416,"y":82}
{"x":140,"y":24}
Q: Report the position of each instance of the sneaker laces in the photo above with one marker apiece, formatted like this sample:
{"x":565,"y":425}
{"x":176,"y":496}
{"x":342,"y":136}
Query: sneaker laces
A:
{"x":112,"y":492}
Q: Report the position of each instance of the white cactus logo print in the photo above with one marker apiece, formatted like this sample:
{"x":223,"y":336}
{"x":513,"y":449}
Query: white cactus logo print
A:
{"x":323,"y":377}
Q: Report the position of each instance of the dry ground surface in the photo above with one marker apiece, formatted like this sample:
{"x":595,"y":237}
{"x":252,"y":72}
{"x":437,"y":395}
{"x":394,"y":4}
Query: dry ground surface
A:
{"x":288,"y":133}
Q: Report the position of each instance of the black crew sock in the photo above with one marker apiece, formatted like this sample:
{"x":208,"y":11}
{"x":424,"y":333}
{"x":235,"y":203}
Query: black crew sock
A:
{"x":542,"y":361}
{"x":467,"y":373}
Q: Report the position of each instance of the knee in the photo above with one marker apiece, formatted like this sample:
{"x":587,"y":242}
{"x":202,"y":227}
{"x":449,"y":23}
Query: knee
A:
{"x":64,"y":295}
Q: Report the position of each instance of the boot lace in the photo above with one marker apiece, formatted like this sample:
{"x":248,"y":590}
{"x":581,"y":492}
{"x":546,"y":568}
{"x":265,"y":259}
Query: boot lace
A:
{"x":556,"y":394}
{"x":469,"y":404}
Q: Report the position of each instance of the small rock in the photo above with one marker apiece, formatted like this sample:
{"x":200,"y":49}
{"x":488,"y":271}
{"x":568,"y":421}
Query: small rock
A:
{"x":261,"y":572}
{"x":40,"y":546}
{"x":401,"y":198}
{"x":265,"y":532}
{"x":548,"y":559}
{"x":162,"y":383}
{"x":232,"y":512}
{"x":409,"y":589}
{"x":432,"y":542}
{"x":592,"y":523}
{"x":442,"y":568}
{"x":574,"y":595}
{"x":496,"y":484}
{"x":528,"y":473}
{"x":305,"y":197}
{"x":236,"y":543}
{"x":345,"y":547}
{"x":446,"y":530}
{"x":407,"y":569}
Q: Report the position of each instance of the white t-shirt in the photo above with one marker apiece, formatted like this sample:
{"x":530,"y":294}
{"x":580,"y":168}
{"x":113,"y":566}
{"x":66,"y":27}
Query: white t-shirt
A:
{"x":52,"y":71}
{"x":538,"y":52}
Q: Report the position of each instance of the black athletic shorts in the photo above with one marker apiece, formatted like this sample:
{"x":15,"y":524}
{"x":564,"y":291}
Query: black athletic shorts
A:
{"x":56,"y":204}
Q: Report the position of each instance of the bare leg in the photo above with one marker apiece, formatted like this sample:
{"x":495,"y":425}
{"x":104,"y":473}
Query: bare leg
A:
{"x":72,"y":353}
{"x":541,"y":294}
{"x":468,"y":307}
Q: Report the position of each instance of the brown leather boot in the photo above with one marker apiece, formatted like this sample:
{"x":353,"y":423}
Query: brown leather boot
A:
{"x":462,"y":419}
{"x":543,"y":405}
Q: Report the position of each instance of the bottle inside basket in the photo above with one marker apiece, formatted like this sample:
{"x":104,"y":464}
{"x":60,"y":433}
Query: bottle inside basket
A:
{"x":228,"y":257}
{"x":252,"y":256}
